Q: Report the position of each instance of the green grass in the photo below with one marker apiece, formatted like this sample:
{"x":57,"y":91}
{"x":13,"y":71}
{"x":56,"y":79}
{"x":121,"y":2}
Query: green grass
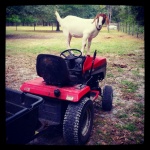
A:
{"x":142,"y":65}
{"x":43,"y":40}
{"x":110,"y":75}
{"x":136,"y":72}
{"x":129,"y":86}
{"x":120,"y":70}
{"x":138,"y":108}
{"x":130,"y":126}
{"x":122,"y":115}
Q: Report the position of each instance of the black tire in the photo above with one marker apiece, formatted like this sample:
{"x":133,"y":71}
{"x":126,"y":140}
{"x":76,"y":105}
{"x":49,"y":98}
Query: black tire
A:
{"x":107,"y":98}
{"x":78,"y":122}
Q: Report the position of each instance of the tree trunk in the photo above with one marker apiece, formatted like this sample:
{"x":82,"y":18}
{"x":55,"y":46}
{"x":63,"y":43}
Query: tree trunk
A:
{"x":34,"y":26}
{"x":16,"y":26}
{"x":109,"y":12}
{"x":57,"y":26}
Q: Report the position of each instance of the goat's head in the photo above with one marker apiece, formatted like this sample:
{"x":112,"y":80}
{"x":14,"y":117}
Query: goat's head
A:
{"x":101,"y":19}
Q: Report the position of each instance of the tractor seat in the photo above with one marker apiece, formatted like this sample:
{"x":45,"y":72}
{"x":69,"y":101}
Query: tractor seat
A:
{"x":53,"y":69}
{"x":75,"y":66}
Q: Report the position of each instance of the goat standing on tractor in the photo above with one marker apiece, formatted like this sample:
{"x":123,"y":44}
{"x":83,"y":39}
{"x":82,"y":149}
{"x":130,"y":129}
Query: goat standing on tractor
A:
{"x":77,"y":27}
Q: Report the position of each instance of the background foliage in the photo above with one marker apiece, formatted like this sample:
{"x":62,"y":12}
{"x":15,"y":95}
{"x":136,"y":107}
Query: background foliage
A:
{"x":44,"y":14}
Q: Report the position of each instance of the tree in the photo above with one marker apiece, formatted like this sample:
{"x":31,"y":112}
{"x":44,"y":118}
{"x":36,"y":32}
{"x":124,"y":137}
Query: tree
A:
{"x":138,"y":12}
{"x":14,"y":19}
{"x":44,"y":14}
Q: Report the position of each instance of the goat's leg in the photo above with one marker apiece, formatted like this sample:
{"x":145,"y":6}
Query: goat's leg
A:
{"x":68,"y":40}
{"x":89,"y":45}
{"x":84,"y":40}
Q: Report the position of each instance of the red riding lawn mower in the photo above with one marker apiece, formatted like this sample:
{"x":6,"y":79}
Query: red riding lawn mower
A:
{"x":68,"y":85}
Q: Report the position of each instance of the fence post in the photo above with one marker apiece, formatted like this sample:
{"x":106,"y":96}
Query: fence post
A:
{"x":132,"y":29}
{"x":129,"y":29}
{"x":118,"y":26}
{"x":137,"y":30}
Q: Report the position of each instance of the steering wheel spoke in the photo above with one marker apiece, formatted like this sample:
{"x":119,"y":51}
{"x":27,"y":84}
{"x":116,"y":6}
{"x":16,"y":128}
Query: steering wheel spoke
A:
{"x":64,"y":55}
{"x":70,"y":52}
{"x":71,"y":55}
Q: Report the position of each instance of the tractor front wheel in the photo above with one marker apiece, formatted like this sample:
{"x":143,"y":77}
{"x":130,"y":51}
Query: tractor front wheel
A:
{"x":78,"y":122}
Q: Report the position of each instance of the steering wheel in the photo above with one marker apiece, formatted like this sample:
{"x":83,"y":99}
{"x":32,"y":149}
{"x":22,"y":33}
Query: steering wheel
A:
{"x":71,"y":55}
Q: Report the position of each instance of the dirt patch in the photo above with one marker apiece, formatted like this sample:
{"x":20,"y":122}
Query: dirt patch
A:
{"x":119,"y":65}
{"x":108,"y":37}
{"x":123,"y":125}
{"x":27,"y":37}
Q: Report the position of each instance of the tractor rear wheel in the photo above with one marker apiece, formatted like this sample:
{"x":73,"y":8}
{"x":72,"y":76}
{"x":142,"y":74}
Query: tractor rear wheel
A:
{"x":107,"y":98}
{"x":78,"y":122}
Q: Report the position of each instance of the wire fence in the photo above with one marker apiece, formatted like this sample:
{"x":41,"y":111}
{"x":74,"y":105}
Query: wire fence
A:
{"x":133,"y":29}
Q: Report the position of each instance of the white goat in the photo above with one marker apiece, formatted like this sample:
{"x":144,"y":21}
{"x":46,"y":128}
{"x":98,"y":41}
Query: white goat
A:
{"x":87,"y":29}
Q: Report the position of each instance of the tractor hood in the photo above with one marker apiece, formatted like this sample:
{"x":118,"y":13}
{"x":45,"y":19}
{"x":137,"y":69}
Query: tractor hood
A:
{"x":69,"y":93}
{"x":98,"y":62}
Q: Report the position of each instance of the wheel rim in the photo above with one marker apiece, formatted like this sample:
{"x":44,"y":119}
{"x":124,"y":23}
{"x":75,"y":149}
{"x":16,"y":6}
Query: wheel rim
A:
{"x":86,"y":122}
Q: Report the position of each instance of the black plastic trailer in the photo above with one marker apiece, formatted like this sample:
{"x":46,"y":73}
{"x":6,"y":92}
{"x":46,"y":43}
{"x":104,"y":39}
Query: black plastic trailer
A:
{"x":21,"y":116}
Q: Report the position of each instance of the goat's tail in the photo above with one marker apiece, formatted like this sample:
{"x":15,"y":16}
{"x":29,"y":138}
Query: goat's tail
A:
{"x":57,"y":16}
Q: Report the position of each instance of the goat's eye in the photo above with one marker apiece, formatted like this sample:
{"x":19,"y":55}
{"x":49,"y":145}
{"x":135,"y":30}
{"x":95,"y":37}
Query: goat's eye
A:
{"x":103,"y":21}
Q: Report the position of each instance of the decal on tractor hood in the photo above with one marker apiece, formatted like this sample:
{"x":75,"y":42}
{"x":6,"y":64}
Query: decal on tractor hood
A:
{"x":69,"y":98}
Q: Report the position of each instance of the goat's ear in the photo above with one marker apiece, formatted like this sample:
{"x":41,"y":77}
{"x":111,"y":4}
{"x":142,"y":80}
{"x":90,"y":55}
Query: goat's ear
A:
{"x":96,"y":17}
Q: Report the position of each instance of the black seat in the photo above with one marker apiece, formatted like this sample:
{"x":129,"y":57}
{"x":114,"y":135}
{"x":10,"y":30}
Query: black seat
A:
{"x":53,"y":69}
{"x":75,"y":68}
